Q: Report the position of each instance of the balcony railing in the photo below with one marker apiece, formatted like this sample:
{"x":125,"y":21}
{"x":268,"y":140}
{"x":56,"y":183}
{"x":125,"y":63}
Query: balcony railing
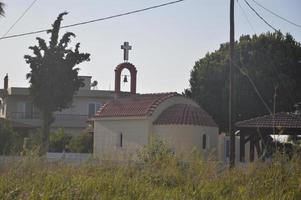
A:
{"x":37,"y":115}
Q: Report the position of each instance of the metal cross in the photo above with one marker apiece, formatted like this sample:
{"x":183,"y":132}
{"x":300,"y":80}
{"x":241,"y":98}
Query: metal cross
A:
{"x":126,"y":48}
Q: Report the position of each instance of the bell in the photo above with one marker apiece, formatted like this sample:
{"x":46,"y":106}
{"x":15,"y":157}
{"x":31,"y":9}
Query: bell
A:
{"x":125,"y":79}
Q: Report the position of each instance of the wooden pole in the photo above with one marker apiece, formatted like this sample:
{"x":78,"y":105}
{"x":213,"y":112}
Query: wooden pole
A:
{"x":231,"y":130}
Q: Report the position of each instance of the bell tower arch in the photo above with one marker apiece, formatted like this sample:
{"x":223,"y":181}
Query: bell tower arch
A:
{"x":133,"y":73}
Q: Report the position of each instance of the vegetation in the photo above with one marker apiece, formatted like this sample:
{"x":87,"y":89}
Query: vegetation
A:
{"x":53,"y":77}
{"x":58,"y":141}
{"x":10,"y":141}
{"x":271,"y":61}
{"x":61,"y":141}
{"x":82,"y":143}
{"x":162,"y":176}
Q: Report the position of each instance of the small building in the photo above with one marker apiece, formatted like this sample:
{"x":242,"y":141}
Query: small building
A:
{"x":125,"y":124}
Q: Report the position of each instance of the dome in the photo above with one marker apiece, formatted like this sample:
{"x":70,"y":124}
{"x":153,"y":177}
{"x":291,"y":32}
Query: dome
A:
{"x":185,"y":114}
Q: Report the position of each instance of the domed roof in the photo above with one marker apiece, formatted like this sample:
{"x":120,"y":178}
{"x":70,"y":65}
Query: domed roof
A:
{"x":185,"y":114}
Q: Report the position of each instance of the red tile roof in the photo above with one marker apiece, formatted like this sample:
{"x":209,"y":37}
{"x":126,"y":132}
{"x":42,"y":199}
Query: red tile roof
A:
{"x":134,"y":105}
{"x":281,"y":119}
{"x":185,"y":114}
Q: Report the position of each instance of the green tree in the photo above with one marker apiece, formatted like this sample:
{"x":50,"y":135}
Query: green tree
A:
{"x":53,"y":77}
{"x":270,"y":60}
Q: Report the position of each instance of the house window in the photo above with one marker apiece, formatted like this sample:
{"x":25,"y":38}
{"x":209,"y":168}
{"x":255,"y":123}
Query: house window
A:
{"x":93,"y":108}
{"x":120,"y":140}
{"x":28,"y":110}
{"x":204,"y":142}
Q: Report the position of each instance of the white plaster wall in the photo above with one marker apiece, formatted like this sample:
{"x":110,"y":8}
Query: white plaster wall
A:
{"x":185,"y":138}
{"x":107,"y":136}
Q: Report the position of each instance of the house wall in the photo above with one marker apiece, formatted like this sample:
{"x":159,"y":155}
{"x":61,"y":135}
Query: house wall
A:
{"x":107,"y":138}
{"x":185,"y":138}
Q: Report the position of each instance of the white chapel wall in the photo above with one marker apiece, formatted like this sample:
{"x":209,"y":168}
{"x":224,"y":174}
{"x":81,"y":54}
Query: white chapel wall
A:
{"x":185,"y":138}
{"x":107,"y":138}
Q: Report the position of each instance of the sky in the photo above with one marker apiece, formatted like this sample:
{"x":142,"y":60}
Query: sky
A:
{"x":166,"y":42}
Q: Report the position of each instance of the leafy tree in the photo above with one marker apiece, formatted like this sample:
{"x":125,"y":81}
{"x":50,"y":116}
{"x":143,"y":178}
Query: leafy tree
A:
{"x":53,"y":77}
{"x":270,"y":60}
{"x":1,"y":9}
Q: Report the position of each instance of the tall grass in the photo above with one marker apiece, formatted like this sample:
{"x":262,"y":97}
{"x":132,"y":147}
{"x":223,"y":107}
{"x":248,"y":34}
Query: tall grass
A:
{"x":161,"y":175}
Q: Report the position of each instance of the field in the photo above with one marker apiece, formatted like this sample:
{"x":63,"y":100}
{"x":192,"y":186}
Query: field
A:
{"x":159,"y":176}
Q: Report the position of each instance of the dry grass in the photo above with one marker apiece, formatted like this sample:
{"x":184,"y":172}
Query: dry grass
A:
{"x":162,"y":178}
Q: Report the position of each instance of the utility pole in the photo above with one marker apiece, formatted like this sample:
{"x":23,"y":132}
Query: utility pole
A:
{"x":231,"y":83}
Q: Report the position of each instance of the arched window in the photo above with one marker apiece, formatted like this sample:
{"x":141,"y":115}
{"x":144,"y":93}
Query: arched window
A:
{"x":204,"y":142}
{"x":120,"y":140}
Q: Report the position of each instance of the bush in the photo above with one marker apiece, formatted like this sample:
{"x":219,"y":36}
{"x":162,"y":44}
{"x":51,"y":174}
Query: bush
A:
{"x":10,"y":141}
{"x":82,"y":143}
{"x":59,"y":141}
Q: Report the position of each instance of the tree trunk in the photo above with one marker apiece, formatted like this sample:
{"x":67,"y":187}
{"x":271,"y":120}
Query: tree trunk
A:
{"x":47,"y":121}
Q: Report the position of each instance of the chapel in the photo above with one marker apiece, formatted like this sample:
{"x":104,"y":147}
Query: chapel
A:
{"x":126,"y":123}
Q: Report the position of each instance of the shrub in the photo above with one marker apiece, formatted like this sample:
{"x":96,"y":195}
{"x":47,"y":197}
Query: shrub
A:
{"x":59,"y":140}
{"x":82,"y":143}
{"x":10,"y":141}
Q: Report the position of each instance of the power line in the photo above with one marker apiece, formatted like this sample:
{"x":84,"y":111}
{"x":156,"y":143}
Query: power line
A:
{"x":244,"y":71}
{"x":95,"y":20}
{"x":19,"y":18}
{"x":275,"y":14}
{"x":246,"y":17}
{"x":260,"y":16}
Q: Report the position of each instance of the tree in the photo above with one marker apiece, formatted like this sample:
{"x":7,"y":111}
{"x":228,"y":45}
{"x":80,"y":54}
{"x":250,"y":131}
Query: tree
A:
{"x":53,"y":77}
{"x":271,"y":61}
{"x":1,"y":9}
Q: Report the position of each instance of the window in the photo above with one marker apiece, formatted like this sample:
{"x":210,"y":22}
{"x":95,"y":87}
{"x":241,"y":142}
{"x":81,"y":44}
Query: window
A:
{"x":204,"y":142}
{"x":93,"y":108}
{"x":28,"y":110}
{"x":120,"y":140}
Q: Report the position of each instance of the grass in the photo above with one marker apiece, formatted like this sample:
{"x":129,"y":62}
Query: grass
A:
{"x":162,"y":178}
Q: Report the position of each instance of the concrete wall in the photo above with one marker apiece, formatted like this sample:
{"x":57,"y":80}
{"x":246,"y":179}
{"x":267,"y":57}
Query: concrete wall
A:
{"x":107,"y":137}
{"x":185,"y":138}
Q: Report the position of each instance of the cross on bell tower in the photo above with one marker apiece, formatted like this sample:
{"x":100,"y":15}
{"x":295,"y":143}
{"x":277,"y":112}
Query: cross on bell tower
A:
{"x":126,"y":48}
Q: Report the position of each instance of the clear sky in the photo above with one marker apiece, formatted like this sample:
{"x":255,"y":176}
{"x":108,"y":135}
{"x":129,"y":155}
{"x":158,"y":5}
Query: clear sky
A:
{"x":166,"y":41}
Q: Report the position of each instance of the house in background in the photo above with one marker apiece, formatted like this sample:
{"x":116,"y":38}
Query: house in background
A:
{"x":16,"y":106}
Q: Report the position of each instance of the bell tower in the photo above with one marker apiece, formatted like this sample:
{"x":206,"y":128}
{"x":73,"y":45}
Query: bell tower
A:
{"x":133,"y":71}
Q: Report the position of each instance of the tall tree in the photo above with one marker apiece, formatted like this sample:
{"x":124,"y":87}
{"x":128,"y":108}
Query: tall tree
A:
{"x":271,"y":61}
{"x":1,"y":9}
{"x":53,"y":77}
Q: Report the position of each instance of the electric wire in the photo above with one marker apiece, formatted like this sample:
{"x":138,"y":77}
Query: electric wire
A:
{"x":275,"y":14}
{"x":246,"y":17}
{"x":19,"y":18}
{"x":95,"y":20}
{"x":267,"y":23}
{"x":244,"y":71}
